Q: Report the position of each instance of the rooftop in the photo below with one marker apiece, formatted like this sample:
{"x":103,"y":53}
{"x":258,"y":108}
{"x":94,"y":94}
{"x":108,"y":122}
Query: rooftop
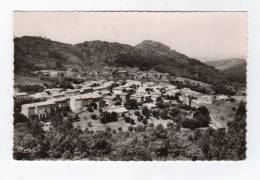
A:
{"x":87,"y":96}
{"x":44,"y":103}
{"x":20,"y":94}
{"x":118,"y":109}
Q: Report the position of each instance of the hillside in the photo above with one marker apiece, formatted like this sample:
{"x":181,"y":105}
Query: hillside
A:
{"x":32,"y":53}
{"x":225,"y":64}
{"x":150,"y":54}
{"x":237,"y":73}
{"x":234,"y":69}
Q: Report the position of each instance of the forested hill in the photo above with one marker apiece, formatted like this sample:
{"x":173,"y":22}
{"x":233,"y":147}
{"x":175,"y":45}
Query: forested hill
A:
{"x":234,"y":69}
{"x":226,"y":63}
{"x":32,"y":53}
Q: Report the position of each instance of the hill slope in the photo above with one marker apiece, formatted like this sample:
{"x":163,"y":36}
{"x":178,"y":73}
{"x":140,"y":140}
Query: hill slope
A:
{"x":225,"y":64}
{"x":234,"y":69}
{"x":33,"y":53}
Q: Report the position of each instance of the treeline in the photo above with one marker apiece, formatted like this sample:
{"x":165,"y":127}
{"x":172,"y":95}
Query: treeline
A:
{"x":143,"y":142}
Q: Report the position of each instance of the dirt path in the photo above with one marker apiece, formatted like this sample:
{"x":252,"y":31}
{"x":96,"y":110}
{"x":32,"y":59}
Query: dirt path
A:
{"x":214,"y":124}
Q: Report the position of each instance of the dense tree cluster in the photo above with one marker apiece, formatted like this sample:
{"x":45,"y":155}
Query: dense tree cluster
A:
{"x":142,"y":142}
{"x":107,"y":117}
{"x":30,"y":88}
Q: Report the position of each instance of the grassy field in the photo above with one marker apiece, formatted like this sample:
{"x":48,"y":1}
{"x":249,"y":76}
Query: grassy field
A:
{"x":191,"y":81}
{"x":222,"y":112}
{"x":85,"y":118}
{"x":26,"y":80}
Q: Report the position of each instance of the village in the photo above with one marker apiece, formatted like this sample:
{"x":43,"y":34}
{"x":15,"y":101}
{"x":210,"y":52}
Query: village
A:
{"x":130,"y":95}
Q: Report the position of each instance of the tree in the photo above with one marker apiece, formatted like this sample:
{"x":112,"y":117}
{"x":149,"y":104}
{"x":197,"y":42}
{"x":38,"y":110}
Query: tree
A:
{"x":174,"y":112}
{"x":237,"y":132}
{"x":131,"y":104}
{"x":146,"y":112}
{"x":156,"y":114}
{"x":202,"y":116}
{"x":113,"y":116}
{"x":177,"y":95}
{"x":20,"y":118}
{"x":160,"y":132}
{"x":107,"y":117}
{"x":93,"y":104}
{"x":119,"y":129}
{"x":90,"y":109}
{"x":159,"y":99}
{"x":137,"y":113}
{"x":90,"y":124}
{"x":130,"y":128}
{"x":94,"y":116}
{"x":164,"y":114}
{"x":56,"y":119}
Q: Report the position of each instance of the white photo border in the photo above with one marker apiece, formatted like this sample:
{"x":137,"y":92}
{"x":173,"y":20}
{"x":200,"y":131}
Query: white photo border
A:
{"x":214,"y":170}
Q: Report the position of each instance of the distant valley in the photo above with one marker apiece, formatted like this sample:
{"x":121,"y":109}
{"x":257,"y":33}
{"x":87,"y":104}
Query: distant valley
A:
{"x":234,"y":69}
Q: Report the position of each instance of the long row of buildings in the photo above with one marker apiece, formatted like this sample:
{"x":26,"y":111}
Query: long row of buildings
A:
{"x":108,"y":94}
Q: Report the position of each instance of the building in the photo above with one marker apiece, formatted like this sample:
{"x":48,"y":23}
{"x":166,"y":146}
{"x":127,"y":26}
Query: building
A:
{"x":105,"y":86}
{"x":221,"y":97}
{"x":51,"y":73}
{"x":21,"y":96}
{"x":72,"y":92}
{"x":40,"y":95}
{"x":80,"y":102}
{"x":118,"y":110}
{"x":86,"y":90}
{"x":53,"y":90}
{"x":61,"y":103}
{"x":149,"y":105}
{"x":42,"y":109}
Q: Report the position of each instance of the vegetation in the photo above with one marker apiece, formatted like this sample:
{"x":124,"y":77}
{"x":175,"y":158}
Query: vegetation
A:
{"x":148,"y":142}
{"x":31,"y":51}
{"x":107,"y":117}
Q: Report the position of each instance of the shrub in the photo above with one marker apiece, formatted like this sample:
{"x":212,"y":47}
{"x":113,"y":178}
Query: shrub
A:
{"x":20,"y":118}
{"x":139,"y":128}
{"x":118,"y":103}
{"x":107,"y":117}
{"x":120,"y":129}
{"x":94,"y":116}
{"x":130,"y":128}
{"x":190,"y":123}
{"x":90,"y":124}
{"x":132,"y":122}
{"x":108,"y":129}
{"x":202,"y":116}
{"x":90,"y":109}
{"x":174,"y":112}
{"x":137,"y":113}
{"x":197,"y":134}
{"x":93,"y":104}
{"x":156,"y":114}
{"x":131,"y":104}
{"x":113,"y":116}
{"x":146,"y":112}
{"x":164,"y":114}
{"x":129,"y":120}
{"x":145,"y":121}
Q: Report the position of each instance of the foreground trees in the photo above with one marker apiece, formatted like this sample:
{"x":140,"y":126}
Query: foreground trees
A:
{"x":142,"y":142}
{"x":201,"y":118}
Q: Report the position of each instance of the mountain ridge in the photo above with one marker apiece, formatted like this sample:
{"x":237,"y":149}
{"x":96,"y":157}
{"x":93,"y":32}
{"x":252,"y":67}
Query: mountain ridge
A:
{"x":224,"y":64}
{"x":32,"y":53}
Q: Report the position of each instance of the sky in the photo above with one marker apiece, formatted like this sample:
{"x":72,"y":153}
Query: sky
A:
{"x":203,"y":35}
